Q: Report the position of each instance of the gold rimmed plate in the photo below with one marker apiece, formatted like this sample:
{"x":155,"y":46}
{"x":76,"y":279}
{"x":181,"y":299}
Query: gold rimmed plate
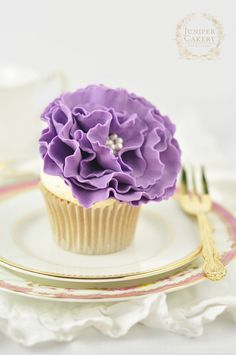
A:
{"x":165,"y":240}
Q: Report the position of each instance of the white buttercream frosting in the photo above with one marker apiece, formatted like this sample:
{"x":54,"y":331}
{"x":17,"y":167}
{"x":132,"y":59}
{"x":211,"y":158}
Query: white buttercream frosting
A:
{"x":58,"y":187}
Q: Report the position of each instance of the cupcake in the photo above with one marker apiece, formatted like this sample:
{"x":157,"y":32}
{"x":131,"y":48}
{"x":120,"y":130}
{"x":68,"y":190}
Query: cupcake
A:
{"x":105,"y":153}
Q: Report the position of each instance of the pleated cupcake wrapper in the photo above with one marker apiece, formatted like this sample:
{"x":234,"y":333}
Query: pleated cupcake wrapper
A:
{"x":102,"y":229}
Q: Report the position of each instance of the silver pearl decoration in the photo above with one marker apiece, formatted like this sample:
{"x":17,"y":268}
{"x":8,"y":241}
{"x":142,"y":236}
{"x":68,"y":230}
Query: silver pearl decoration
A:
{"x":114,"y":142}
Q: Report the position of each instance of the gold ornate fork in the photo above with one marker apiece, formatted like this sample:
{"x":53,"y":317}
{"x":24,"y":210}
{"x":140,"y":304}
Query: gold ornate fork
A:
{"x":198,"y":205}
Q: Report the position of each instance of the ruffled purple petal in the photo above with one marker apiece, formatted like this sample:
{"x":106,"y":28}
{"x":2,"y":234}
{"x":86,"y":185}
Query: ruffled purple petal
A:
{"x":73,"y":146}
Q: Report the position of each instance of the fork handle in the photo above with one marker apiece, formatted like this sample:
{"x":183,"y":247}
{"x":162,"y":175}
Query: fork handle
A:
{"x":212,"y":267}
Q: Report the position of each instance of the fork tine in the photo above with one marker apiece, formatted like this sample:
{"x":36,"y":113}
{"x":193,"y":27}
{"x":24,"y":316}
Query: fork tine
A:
{"x":184,"y":181}
{"x":205,"y":188}
{"x":193,"y":180}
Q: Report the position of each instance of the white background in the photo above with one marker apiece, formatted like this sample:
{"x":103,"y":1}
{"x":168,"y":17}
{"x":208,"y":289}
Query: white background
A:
{"x":131,"y":44}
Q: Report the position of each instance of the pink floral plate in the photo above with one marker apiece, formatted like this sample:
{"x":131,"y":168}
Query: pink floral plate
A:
{"x":225,"y":236}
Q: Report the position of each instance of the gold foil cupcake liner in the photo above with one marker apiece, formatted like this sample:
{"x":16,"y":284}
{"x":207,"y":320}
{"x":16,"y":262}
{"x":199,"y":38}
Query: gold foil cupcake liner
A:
{"x":106,"y":227}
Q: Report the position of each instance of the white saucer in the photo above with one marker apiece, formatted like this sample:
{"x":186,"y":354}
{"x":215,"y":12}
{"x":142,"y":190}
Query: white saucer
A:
{"x":165,"y":240}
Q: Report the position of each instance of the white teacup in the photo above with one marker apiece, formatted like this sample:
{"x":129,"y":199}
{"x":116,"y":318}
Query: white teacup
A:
{"x":23,"y":95}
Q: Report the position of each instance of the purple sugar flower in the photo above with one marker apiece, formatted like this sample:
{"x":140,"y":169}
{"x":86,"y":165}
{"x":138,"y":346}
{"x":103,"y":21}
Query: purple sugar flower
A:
{"x":110,"y":143}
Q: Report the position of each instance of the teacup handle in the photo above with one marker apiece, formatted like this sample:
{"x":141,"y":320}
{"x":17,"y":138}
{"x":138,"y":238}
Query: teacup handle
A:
{"x":56,"y":75}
